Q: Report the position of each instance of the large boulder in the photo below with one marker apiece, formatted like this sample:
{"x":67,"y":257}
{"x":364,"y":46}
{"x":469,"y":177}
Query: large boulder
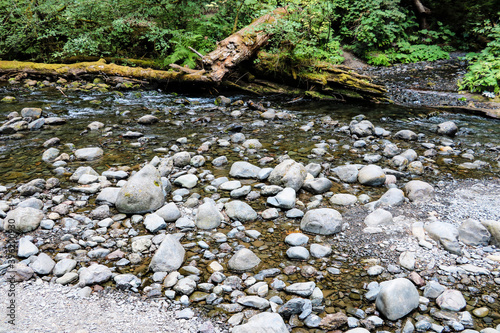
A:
{"x":243,"y":260}
{"x":288,"y":174}
{"x":446,"y":234}
{"x":169,"y":256}
{"x":142,"y":193}
{"x":22,"y":219}
{"x":397,"y":298}
{"x":473,"y":233}
{"x":263,"y":322}
{"x":417,"y":190}
{"x":241,"y":211}
{"x":322,"y":221}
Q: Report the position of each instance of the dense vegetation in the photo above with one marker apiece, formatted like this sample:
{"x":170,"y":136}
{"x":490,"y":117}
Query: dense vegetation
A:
{"x":382,"y":32}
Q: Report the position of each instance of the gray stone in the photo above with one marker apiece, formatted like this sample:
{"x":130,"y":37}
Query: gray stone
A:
{"x":304,"y":289}
{"x":397,"y":298}
{"x":169,"y":212}
{"x":240,"y":192}
{"x":43,"y":264}
{"x":294,"y":213}
{"x":433,"y":289}
{"x":243,"y":260}
{"x":240,"y":211}
{"x":50,"y":154}
{"x":343,"y":199}
{"x":244,"y":170}
{"x":169,"y":256}
{"x":284,"y":199}
{"x":219,"y":161}
{"x":362,"y":128}
{"x":317,"y":185}
{"x":371,"y":175}
{"x":298,"y":253}
{"x":108,"y":196}
{"x":230,"y":185}
{"x":406,"y":135}
{"x":94,"y":274}
{"x":185,"y":286}
{"x":208,"y":216}
{"x":347,"y":173}
{"x":187,"y":181}
{"x":379,"y":217}
{"x":451,"y":300}
{"x":26,"y":248}
{"x":446,"y":234}
{"x":296,"y":239}
{"x":254,"y":302}
{"x":23,"y":219}
{"x":393,"y":197}
{"x":407,"y":260}
{"x":127,"y":281}
{"x":186,"y":313}
{"x":34,"y":113}
{"x":263,"y":322}
{"x":89,"y":154}
{"x":142,"y":193}
{"x":36,"y":125}
{"x":181,"y":159}
{"x":417,"y":190}
{"x":288,"y":174}
{"x":447,"y":128}
{"x":320,"y":251}
{"x":252,"y":144}
{"x":64,"y":266}
{"x":494,"y":229}
{"x":322,"y":221}
{"x":148,"y":119}
{"x":473,"y":233}
{"x":154,"y":223}
{"x":82,"y":171}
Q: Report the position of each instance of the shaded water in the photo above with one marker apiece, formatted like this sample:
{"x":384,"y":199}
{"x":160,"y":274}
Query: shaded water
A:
{"x":201,"y":120}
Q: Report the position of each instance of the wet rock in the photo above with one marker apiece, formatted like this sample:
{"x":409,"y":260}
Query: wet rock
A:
{"x":82,"y":171}
{"x":333,"y":321}
{"x":446,"y":234}
{"x":34,"y":113}
{"x":252,"y":144}
{"x":317,"y":185}
{"x":320,"y":251}
{"x":406,"y":135}
{"x":208,"y":216}
{"x":322,"y":221}
{"x":262,"y":322}
{"x":297,"y":253}
{"x":300,"y":306}
{"x":371,"y":175}
{"x":447,"y":128}
{"x":89,"y":154}
{"x":397,"y":298}
{"x":304,"y":289}
{"x":142,"y":193}
{"x":243,"y":260}
{"x":219,"y":161}
{"x":43,"y":264}
{"x":26,"y":248}
{"x":472,"y":232}
{"x":288,"y":174}
{"x":169,"y":212}
{"x":148,"y":120}
{"x":94,"y":274}
{"x":50,"y":155}
{"x":181,"y":159}
{"x":244,"y":170}
{"x":347,"y":173}
{"x":95,"y":125}
{"x":284,"y":199}
{"x":23,"y":219}
{"x":36,"y":125}
{"x":169,"y":256}
{"x":343,"y":199}
{"x":451,"y":300}
{"x":362,"y":128}
{"x":186,"y":181}
{"x":240,"y":211}
{"x":379,"y":217}
{"x":417,"y":190}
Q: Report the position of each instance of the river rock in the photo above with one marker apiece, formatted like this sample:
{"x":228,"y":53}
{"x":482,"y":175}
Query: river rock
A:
{"x":244,"y":170}
{"x":263,"y":322}
{"x":169,"y":212}
{"x":288,"y":174}
{"x":347,"y":173}
{"x":169,"y":256}
{"x":472,"y":232}
{"x":127,"y":281}
{"x":446,"y":234}
{"x":284,"y":199}
{"x":50,"y":155}
{"x":333,"y":321}
{"x":317,"y":185}
{"x":82,"y":171}
{"x":322,"y":221}
{"x":187,"y":181}
{"x":26,"y":248}
{"x":406,"y":135}
{"x":142,"y":193}
{"x":494,"y":229}
{"x":95,"y":125}
{"x":20,"y":272}
{"x":447,"y":128}
{"x":22,"y":219}
{"x":417,"y":190}
{"x":379,"y":217}
{"x":89,"y":154}
{"x":34,"y":113}
{"x":32,"y":202}
{"x":94,"y":274}
{"x":108,"y":196}
{"x":343,"y":199}
{"x":43,"y":264}
{"x":154,"y":223}
{"x":208,"y":216}
{"x":320,"y":251}
{"x":148,"y":119}
{"x":240,"y":211}
{"x":407,"y":260}
{"x":371,"y":175}
{"x":393,"y":197}
{"x":185,"y":286}
{"x":64,"y":266}
{"x":362,"y":128}
{"x":243,"y":260}
{"x":433,"y":289}
{"x":397,"y":298}
{"x":297,"y":253}
{"x":304,"y":289}
{"x":254,"y":302}
{"x":451,"y":300}
{"x":296,"y":239}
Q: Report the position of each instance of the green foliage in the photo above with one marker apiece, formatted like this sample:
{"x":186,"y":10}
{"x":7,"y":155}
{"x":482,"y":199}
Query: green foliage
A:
{"x":484,"y":70}
{"x":407,"y":53}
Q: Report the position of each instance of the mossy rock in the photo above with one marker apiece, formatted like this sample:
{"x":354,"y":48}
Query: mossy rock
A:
{"x":9,"y":99}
